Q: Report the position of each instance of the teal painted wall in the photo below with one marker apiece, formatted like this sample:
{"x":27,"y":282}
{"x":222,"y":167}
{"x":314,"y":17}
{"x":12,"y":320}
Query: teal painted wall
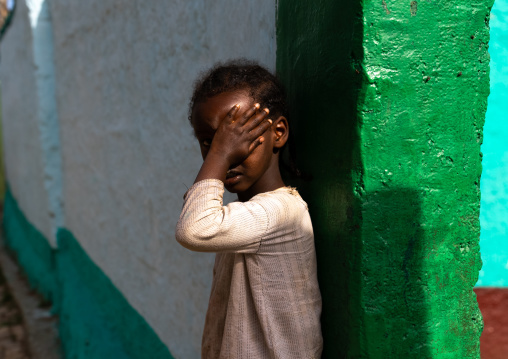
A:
{"x":31,"y":248}
{"x":388,"y":101}
{"x":95,"y":319}
{"x":494,"y":182}
{"x":2,"y":168}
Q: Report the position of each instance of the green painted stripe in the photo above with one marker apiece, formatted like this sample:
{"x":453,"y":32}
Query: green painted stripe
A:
{"x":2,"y":167}
{"x":33,"y":252}
{"x":99,"y":322}
{"x":95,"y":319}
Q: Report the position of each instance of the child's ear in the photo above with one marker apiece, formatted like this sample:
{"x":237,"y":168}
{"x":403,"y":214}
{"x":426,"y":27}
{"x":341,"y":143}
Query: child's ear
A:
{"x":281,"y":132}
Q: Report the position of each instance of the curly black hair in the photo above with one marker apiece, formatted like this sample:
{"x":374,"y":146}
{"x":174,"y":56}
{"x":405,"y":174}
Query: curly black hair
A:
{"x":261,"y":85}
{"x":246,"y":75}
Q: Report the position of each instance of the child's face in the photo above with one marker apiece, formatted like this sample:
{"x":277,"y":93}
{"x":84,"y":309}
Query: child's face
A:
{"x":253,"y":174}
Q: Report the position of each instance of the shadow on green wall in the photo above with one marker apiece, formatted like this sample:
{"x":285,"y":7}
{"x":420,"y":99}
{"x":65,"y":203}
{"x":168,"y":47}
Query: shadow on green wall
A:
{"x":319,"y":60}
{"x":394,"y":279}
{"x":373,"y":303}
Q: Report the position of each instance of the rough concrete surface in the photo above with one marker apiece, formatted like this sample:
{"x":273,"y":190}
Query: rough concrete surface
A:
{"x":47,"y":118}
{"x":427,"y":69}
{"x":124,"y":73}
{"x":24,"y":167}
{"x":123,"y":79}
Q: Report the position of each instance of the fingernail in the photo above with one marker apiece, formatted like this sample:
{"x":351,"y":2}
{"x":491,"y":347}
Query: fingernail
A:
{"x":237,"y":106}
{"x":261,"y":139}
{"x":270,"y":121}
{"x":266,"y":110}
{"x":256,"y":105}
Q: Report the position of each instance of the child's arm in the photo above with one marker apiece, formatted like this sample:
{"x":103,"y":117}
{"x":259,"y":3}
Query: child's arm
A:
{"x":205,"y":225}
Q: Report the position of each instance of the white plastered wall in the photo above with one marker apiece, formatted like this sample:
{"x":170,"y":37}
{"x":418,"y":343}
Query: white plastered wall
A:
{"x":24,"y":161}
{"x":124,"y":74}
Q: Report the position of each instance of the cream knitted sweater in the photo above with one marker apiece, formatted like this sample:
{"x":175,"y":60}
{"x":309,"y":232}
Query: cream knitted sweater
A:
{"x":265,"y":300}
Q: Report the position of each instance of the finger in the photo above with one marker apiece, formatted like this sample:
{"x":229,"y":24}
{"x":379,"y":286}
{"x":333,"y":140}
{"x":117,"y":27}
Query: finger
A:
{"x":243,"y":118}
{"x":230,"y":117}
{"x":263,"y":126}
{"x":256,"y":119}
{"x":256,"y":143}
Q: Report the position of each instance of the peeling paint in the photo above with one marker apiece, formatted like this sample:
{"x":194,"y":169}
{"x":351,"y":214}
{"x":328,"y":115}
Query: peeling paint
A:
{"x":414,"y":8}
{"x":385,"y":7}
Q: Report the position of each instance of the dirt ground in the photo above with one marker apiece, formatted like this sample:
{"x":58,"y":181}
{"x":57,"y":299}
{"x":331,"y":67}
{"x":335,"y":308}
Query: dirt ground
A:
{"x":28,"y":330}
{"x":13,"y":338}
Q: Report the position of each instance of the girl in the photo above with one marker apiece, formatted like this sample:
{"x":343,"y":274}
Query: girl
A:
{"x":265,"y":300}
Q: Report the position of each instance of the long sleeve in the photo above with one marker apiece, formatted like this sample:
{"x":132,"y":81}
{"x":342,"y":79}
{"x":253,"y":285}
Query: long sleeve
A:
{"x":205,"y":225}
{"x":264,"y":301}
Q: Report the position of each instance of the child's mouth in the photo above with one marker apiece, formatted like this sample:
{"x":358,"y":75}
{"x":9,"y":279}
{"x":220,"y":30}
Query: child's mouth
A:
{"x":231,"y":174}
{"x":232,"y":178}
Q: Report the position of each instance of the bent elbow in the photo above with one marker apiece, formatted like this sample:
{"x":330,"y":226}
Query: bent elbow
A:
{"x":196,"y":238}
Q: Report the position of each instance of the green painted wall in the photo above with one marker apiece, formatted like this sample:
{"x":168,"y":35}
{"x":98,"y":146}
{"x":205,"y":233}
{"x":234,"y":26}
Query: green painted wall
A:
{"x":2,"y":169}
{"x":388,"y":102}
{"x":319,"y":58}
{"x":31,"y":248}
{"x":95,"y":319}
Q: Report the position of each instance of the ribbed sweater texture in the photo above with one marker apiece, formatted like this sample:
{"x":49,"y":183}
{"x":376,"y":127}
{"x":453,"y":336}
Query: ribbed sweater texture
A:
{"x":265,"y":300}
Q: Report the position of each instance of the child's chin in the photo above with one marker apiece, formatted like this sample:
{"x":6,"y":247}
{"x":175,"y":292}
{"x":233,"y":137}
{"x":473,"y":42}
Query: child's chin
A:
{"x":234,"y":184}
{"x":232,"y":189}
{"x":236,"y":187}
